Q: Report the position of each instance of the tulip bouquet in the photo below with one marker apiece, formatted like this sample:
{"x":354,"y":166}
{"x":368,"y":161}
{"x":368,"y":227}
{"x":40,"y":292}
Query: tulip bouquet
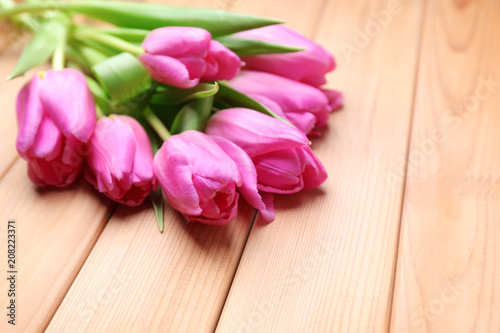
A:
{"x":203,"y":104}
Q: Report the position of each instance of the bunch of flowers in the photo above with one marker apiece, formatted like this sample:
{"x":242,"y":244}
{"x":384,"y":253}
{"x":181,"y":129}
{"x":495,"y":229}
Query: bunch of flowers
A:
{"x":206,"y":105}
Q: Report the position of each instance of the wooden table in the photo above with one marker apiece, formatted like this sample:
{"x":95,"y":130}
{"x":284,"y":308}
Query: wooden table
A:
{"x":403,"y":237}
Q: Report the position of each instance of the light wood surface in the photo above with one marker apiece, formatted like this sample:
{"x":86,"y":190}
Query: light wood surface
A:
{"x":403,"y":236}
{"x":55,"y":229}
{"x":327,"y":263}
{"x":448,"y":274}
{"x":179,"y":280}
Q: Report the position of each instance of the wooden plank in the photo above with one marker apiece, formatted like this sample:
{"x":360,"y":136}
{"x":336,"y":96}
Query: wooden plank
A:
{"x":448,"y":268}
{"x":55,"y":231}
{"x":137,"y":279}
{"x":11,"y":44}
{"x":326,"y":264}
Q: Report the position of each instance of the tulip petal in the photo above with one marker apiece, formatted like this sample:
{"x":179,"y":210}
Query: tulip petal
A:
{"x":290,"y":95}
{"x":314,"y":173}
{"x":198,"y":178}
{"x":48,"y":141}
{"x":67,"y":100}
{"x":270,"y":104}
{"x":254,"y":132}
{"x":29,"y":115}
{"x":279,"y":171}
{"x":207,"y":158}
{"x":268,"y":214}
{"x":173,"y":170}
{"x":143,"y":160}
{"x":303,"y":121}
{"x":196,"y":66}
{"x":176,"y":41}
{"x":335,"y":98}
{"x":51,"y":173}
{"x":169,"y":71}
{"x":248,"y":187}
{"x":222,"y":63}
{"x":111,"y":155}
{"x":308,"y":66}
{"x":223,"y":219}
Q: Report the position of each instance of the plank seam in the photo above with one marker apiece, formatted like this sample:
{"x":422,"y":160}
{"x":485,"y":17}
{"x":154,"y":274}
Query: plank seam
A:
{"x":412,"y":117}
{"x":9,"y":166}
{"x":237,"y":267}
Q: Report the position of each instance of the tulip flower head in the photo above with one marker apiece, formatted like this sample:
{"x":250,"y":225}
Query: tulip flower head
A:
{"x":308,"y":66}
{"x":305,"y":106}
{"x":281,"y":154}
{"x":182,"y":56}
{"x":221,"y":63}
{"x":55,"y":117}
{"x":200,"y":178}
{"x":120,"y":160}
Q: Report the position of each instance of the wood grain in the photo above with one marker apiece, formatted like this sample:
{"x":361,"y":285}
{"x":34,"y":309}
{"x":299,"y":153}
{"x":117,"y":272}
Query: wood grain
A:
{"x":55,"y":231}
{"x":137,"y":279}
{"x":448,"y":268}
{"x":327,"y":263}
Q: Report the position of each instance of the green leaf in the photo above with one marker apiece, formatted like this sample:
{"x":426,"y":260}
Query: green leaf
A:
{"x":40,"y":48}
{"x":193,"y":116}
{"x":248,"y":47}
{"x":126,"y":81}
{"x":122,"y":76}
{"x":175,"y":96}
{"x":134,"y":105}
{"x":235,"y":98}
{"x":157,"y":202}
{"x":150,"y":16}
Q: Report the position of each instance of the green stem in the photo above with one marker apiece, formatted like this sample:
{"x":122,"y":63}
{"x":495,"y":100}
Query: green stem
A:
{"x":58,"y":58}
{"x":156,"y":124}
{"x":115,"y":42}
{"x":87,"y":56}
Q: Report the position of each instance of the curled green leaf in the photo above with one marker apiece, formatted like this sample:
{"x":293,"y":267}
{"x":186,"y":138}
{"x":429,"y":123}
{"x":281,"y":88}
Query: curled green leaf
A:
{"x":193,"y":116}
{"x":174,"y":96}
{"x":249,"y":47}
{"x":234,"y":98}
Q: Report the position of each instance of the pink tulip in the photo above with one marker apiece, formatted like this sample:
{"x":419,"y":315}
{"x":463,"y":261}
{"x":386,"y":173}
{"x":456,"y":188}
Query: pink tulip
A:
{"x":307,"y":66}
{"x":280,"y":153}
{"x":200,"y":175}
{"x":120,"y":160}
{"x":222,"y":63}
{"x":55,"y":117}
{"x":182,"y":56}
{"x":305,"y":107}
